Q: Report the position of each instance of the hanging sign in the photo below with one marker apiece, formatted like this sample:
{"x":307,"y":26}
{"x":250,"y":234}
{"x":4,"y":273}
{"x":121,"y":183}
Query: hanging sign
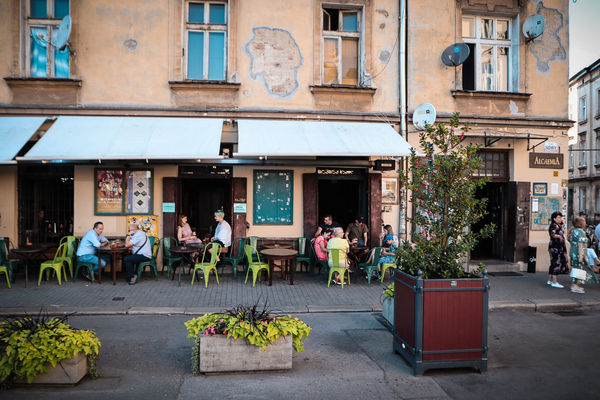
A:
{"x":546,"y":160}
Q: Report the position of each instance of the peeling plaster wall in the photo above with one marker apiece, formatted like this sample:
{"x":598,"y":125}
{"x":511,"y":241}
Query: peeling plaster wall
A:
{"x":9,"y":45}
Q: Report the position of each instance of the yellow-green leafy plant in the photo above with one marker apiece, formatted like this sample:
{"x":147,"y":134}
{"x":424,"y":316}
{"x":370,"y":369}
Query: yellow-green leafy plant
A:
{"x":28,"y":345}
{"x":388,"y":292}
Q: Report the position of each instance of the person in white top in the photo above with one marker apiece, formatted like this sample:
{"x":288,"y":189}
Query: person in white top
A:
{"x":140,"y":251}
{"x":223,"y":232}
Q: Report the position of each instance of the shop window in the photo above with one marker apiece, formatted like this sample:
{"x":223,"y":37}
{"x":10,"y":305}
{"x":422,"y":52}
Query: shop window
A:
{"x":341,"y":46}
{"x":582,"y":109}
{"x":490,"y":64}
{"x":582,"y":151}
{"x":273,"y":197}
{"x":493,"y":165}
{"x":121,"y":191}
{"x":43,"y":19}
{"x":206,"y":40}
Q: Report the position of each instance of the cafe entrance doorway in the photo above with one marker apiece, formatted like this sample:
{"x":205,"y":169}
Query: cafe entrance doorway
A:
{"x":342,"y":196}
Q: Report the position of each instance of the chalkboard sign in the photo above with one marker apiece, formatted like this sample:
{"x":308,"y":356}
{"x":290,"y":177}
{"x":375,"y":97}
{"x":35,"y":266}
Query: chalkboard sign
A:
{"x":541,"y":210}
{"x":273,"y":197}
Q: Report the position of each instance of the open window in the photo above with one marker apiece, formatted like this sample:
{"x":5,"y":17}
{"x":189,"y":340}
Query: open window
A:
{"x":341,"y":43}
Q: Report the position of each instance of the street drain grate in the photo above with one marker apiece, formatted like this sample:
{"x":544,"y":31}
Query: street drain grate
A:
{"x":507,"y":273}
{"x":118,"y":298}
{"x":570,"y":313}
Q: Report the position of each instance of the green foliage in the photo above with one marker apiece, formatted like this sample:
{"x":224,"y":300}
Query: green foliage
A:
{"x":388,"y":292}
{"x":443,"y":187}
{"x":29,"y":344}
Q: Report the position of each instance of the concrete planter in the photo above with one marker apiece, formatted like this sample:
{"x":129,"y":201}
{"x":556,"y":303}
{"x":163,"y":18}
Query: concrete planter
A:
{"x":219,"y":354}
{"x":68,"y":371}
{"x":387,"y":309}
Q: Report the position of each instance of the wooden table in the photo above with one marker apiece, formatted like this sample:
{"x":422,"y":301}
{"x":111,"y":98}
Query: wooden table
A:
{"x":287,"y":258}
{"x":356,"y":253}
{"x":113,"y":253}
{"x":28,"y":253}
{"x":185,"y":252}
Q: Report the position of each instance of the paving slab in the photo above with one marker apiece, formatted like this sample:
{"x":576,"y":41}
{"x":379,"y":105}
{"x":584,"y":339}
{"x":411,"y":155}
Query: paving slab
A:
{"x":551,"y":305}
{"x":524,"y":305}
{"x":155,"y":310}
{"x":334,"y":308}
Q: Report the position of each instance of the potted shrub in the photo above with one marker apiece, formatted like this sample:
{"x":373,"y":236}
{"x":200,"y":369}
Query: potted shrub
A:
{"x":387,"y":303}
{"x":245,"y":338}
{"x":440,"y":311}
{"x":46,"y":350}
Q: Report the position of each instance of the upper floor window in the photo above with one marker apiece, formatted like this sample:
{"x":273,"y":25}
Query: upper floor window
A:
{"x":43,"y":58}
{"x":582,"y":200}
{"x":571,"y":157}
{"x":582,"y":108}
{"x":489,"y":66}
{"x":597,"y":147}
{"x":341,"y":46}
{"x":582,"y":155}
{"x":206,"y":40}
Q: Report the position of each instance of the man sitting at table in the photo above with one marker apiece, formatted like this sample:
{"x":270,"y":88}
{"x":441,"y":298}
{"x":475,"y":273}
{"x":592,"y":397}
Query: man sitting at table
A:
{"x":338,"y":242}
{"x":327,"y":224}
{"x":223,"y":232}
{"x":357,"y":231}
{"x":91,"y":241}
{"x":140,"y":251}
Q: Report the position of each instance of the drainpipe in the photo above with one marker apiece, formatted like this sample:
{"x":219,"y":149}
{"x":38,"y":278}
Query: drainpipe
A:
{"x":403,"y":93}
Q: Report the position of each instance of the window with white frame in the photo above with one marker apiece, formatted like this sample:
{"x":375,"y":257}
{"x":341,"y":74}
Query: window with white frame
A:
{"x":582,"y":199}
{"x":341,"y":43}
{"x":571,"y":157}
{"x":206,"y":40}
{"x":42,"y":20}
{"x":489,"y":66}
{"x":582,"y":152}
{"x":582,"y":108}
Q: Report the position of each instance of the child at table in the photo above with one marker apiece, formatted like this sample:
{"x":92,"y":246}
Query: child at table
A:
{"x":388,"y":255}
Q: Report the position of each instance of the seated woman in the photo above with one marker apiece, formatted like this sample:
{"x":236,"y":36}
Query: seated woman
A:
{"x":388,"y":255}
{"x":185,"y":235}
{"x":321,"y":245}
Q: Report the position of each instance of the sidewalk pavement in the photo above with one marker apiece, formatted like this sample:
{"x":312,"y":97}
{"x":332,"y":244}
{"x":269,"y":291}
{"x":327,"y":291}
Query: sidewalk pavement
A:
{"x":309,"y":294}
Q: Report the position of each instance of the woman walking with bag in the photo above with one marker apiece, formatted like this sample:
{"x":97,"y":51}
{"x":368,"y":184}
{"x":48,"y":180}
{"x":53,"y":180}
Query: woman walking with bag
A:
{"x":559,"y":262}
{"x":581,"y":271}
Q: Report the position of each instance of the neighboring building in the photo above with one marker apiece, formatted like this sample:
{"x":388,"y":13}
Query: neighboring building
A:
{"x":513,"y":92}
{"x":584,"y":153}
{"x":275,"y":112}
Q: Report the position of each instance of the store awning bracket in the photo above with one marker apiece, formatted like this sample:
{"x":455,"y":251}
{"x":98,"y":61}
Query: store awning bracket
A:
{"x":488,"y":141}
{"x":529,"y":147}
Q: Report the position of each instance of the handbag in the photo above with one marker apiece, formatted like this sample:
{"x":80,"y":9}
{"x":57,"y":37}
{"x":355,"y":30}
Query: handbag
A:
{"x":578,"y":273}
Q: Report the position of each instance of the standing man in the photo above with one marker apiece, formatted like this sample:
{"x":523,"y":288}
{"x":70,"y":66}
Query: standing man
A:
{"x":91,"y":241}
{"x":338,"y":242}
{"x":140,"y":251}
{"x":357,"y":231}
{"x":223,"y":232}
{"x":327,"y":224}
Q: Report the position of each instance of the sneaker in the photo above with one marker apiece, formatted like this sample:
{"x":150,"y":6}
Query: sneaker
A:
{"x":557,"y":285}
{"x":578,"y":290}
{"x":549,"y":283}
{"x":133,"y":280}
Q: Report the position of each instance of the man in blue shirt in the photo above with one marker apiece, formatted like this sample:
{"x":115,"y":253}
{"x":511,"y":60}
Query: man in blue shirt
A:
{"x":91,"y":241}
{"x":141,"y":251}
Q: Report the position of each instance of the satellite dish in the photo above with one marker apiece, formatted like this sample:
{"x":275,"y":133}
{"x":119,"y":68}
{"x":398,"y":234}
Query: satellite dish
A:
{"x":533,"y":26}
{"x":61,"y":37}
{"x":455,"y":54}
{"x":423,"y":115}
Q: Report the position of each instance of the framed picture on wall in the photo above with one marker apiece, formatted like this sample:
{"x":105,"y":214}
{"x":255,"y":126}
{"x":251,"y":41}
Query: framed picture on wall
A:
{"x":540,"y":189}
{"x":108,"y":193}
{"x":139,"y":191}
{"x":389,"y":190}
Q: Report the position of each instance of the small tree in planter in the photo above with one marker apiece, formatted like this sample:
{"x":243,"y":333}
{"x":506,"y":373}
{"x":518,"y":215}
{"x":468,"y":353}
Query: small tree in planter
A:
{"x":436,"y":301}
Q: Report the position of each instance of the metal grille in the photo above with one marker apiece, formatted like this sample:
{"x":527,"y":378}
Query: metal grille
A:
{"x":494,"y":165}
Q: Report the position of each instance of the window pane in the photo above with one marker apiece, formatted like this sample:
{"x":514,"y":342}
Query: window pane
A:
{"x":502,"y":30}
{"x":330,"y":61}
{"x":486,"y":28}
{"x":38,"y":9}
{"x":331,"y":16}
{"x":61,"y":8}
{"x":487,"y":68}
{"x":39,"y":38}
{"x":350,"y":61}
{"x":350,"y":22}
{"x":61,"y":60}
{"x":216,"y":56}
{"x":217,"y":13}
{"x":502,"y":69}
{"x":196,"y":13}
{"x":468,"y":27}
{"x":195,"y":67}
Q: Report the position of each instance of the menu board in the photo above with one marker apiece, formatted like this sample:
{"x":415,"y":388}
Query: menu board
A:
{"x":273,"y":197}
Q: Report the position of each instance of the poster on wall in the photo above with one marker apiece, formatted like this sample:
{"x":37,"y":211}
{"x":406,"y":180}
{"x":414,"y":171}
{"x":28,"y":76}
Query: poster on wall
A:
{"x":139,"y":192}
{"x":541,"y":209}
{"x":109,"y":191}
{"x":389,"y":190}
{"x":147,"y":223}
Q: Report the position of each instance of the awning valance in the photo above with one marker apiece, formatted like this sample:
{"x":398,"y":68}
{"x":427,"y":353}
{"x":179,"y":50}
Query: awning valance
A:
{"x":129,"y":138}
{"x":14,"y":133}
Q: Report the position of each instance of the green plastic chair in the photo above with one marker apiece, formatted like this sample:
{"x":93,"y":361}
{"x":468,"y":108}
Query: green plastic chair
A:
{"x":4,"y":269}
{"x":211,"y":265}
{"x":168,"y":258}
{"x":319,"y":263}
{"x":58,"y":265}
{"x":154,"y":245}
{"x":302,"y":257}
{"x":235,"y":260}
{"x":369,"y":267}
{"x":10,"y":264}
{"x":335,"y":262}
{"x":256,"y":266}
{"x":71,"y":244}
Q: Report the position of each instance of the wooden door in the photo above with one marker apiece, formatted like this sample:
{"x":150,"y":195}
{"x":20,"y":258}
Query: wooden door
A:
{"x":374,"y":219}
{"x":522,"y":221}
{"x":170,"y":195}
{"x":238,"y":191}
{"x":310,"y":198}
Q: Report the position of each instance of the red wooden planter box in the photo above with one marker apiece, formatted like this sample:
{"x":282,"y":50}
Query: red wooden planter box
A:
{"x":441,"y":323}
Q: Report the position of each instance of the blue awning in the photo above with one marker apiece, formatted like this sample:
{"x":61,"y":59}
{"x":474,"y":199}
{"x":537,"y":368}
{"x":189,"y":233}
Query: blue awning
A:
{"x":14,"y":133}
{"x":129,"y":138}
{"x":318,"y":138}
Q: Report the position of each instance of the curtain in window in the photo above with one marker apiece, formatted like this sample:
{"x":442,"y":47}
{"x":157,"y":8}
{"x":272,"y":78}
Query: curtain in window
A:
{"x":61,"y":63}
{"x":39,"y":43}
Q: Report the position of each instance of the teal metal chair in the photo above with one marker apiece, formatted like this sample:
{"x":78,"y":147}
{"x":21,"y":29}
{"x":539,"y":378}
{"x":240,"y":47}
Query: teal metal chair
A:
{"x":168,"y":259}
{"x":235,"y":260}
{"x":302,"y":257}
{"x":155,"y":246}
{"x":256,"y":266}
{"x":334,"y":254}
{"x":10,"y":264}
{"x":84,"y":264}
{"x":371,"y":266}
{"x":207,"y":266}
{"x":318,"y":263}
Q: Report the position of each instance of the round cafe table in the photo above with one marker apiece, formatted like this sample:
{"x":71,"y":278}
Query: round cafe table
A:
{"x":113,"y":253}
{"x":186,"y":252}
{"x":287,"y":258}
{"x":28,"y":253}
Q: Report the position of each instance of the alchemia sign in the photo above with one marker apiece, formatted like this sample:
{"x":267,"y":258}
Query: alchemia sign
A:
{"x":546,"y":160}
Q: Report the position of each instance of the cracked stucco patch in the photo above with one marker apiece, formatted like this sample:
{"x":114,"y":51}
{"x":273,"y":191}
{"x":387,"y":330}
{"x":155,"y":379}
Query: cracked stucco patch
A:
{"x":548,"y":47}
{"x":275,"y":59}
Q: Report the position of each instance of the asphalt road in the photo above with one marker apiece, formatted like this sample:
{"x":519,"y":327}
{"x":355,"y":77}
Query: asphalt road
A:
{"x":348,"y":356}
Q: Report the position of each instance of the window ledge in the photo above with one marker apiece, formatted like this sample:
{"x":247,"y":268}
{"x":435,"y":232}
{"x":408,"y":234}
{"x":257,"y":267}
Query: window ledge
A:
{"x":597,"y":116}
{"x":204,"y":85}
{"x":342,"y":89}
{"x":342,"y":97}
{"x":491,"y":95}
{"x":582,"y":122}
{"x":44,"y":91}
{"x":582,"y":167}
{"x":200,"y":93}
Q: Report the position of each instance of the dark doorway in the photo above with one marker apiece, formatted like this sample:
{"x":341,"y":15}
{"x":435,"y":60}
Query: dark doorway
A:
{"x":200,"y":198}
{"x":45,"y":203}
{"x":342,"y":198}
{"x":492,"y":247}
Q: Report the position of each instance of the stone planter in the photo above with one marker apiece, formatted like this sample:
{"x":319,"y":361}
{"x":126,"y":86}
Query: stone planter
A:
{"x":387,"y":309}
{"x":68,"y":371}
{"x":219,"y":354}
